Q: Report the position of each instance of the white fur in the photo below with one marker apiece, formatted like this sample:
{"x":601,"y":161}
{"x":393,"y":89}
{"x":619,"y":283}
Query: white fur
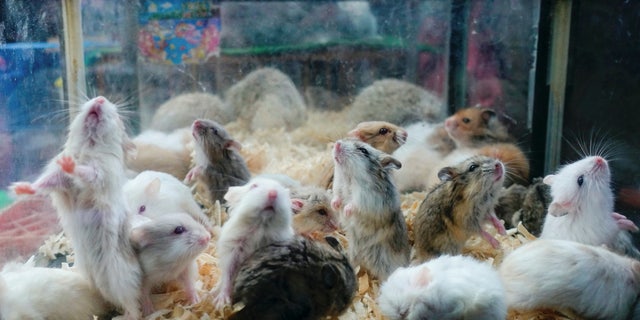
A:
{"x":175,"y":141}
{"x":161,"y":193}
{"x":448,"y":287}
{"x":47,"y":293}
{"x":594,"y":282}
{"x":251,"y":225}
{"x":418,"y":158}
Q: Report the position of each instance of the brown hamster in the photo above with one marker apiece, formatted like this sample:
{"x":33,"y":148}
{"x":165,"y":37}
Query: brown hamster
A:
{"x":295,"y":279}
{"x":456,"y":208}
{"x":164,"y":152}
{"x":219,"y":164}
{"x":312,"y":211}
{"x":475,"y":126}
{"x":370,"y":207}
{"x":382,"y":135}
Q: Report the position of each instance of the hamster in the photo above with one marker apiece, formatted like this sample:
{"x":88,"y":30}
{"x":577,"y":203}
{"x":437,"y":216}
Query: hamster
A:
{"x":261,"y":215}
{"x":370,"y":205}
{"x":582,"y":207}
{"x":180,"y":111}
{"x":165,"y":152}
{"x":267,"y":98}
{"x":85,"y":182}
{"x":312,"y":211}
{"x":28,"y":292}
{"x":218,"y":161}
{"x":456,"y":208}
{"x":447,"y":287}
{"x":167,"y":247}
{"x":592,"y":281}
{"x":395,"y":101}
{"x":295,"y":279}
{"x":154,"y":194}
{"x":381,"y":135}
{"x":534,"y":207}
{"x":476,"y":126}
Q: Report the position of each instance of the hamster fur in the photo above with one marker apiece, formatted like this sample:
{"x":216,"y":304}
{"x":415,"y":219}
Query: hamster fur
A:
{"x":370,"y":205}
{"x":447,"y":287}
{"x":167,"y":247}
{"x":591,"y":280}
{"x":165,"y":152}
{"x":456,"y":208}
{"x":260,"y":216}
{"x":312,"y":211}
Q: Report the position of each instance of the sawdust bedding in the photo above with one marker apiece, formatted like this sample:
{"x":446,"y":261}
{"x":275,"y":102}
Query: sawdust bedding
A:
{"x":300,"y":154}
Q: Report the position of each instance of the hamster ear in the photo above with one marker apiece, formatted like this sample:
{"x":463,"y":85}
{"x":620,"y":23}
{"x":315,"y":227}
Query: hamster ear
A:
{"x":355,"y":133}
{"x":446,"y":174}
{"x":296,"y":205}
{"x":389,"y":162}
{"x":233,"y":194}
{"x":138,"y":238}
{"x":548,"y":180}
{"x":152,"y":189}
{"x":423,"y":277}
{"x":232,"y":144}
{"x":487,"y":115}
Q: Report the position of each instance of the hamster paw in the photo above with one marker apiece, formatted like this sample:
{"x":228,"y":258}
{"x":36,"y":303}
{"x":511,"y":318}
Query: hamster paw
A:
{"x":624,"y":223}
{"x":494,"y":243}
{"x":22,"y":188}
{"x":221,"y":300}
{"x":336,"y":203}
{"x":66,"y":164}
{"x":192,"y":175}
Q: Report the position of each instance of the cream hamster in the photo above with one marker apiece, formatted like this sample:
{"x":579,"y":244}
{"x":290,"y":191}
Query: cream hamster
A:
{"x":447,"y":287}
{"x":591,"y":280}
{"x":295,"y":279}
{"x":582,"y":207}
{"x":153,"y":194}
{"x":167,"y":247}
{"x":312,"y":211}
{"x":28,"y":292}
{"x":395,"y":101}
{"x":261,"y":215}
{"x":85,"y":182}
{"x":218,"y":162}
{"x":160,"y":151}
{"x":267,"y":98}
{"x":370,"y":205}
{"x":457,"y":208}
{"x":180,"y":111}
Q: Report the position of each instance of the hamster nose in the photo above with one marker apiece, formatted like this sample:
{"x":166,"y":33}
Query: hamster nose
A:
{"x":100,"y":100}
{"x":204,"y":240}
{"x":450,"y":123}
{"x":272,"y":195}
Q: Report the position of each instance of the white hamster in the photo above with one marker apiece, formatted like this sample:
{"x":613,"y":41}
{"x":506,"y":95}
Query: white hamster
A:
{"x":167,"y":247}
{"x":154,"y":193}
{"x":582,"y":207}
{"x":47,"y":293}
{"x":261,"y":214}
{"x":591,"y":280}
{"x":448,"y":287}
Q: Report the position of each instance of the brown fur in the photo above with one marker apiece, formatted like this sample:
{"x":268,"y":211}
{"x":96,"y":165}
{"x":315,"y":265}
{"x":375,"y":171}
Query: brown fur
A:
{"x":475,"y":127}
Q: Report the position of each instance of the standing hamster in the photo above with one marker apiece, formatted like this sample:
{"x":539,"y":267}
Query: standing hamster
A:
{"x":295,"y":279}
{"x":582,"y":207}
{"x":85,"y":181}
{"x":47,"y":293}
{"x":312,"y":211}
{"x":447,"y":287}
{"x":456,"y":208}
{"x":590,"y":280}
{"x":218,"y":161}
{"x":167,"y":247}
{"x":370,"y":205}
{"x":261,"y":214}
{"x":154,"y":194}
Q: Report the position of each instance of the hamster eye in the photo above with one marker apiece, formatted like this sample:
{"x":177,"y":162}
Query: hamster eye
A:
{"x":253,"y":186}
{"x":580,"y":180}
{"x":364,"y":151}
{"x":142,"y":209}
{"x":179,"y":230}
{"x":322,"y":212}
{"x":383,"y":131}
{"x":473,"y":167}
{"x":466,"y":120}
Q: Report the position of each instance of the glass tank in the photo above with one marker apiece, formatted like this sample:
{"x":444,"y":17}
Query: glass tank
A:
{"x":534,"y":84}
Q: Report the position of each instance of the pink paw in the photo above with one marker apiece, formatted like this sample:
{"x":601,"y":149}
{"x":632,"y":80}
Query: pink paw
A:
{"x":221,"y":300}
{"x":193,"y":174}
{"x":22,"y":188}
{"x":336,"y":203}
{"x":67,"y":164}
{"x":624,"y":223}
{"x":348,"y":209}
{"x":494,"y":243}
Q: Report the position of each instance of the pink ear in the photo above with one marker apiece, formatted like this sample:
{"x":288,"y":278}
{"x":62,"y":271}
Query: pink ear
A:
{"x":138,"y":238}
{"x":558,"y":210}
{"x":152,"y":189}
{"x":296,"y":205}
{"x":232,"y":195}
{"x":232,"y":144}
{"x":423,"y":277}
{"x":548,"y":180}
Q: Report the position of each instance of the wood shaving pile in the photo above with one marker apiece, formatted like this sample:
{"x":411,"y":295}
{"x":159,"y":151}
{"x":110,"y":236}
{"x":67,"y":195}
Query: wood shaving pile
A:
{"x":300,"y":154}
